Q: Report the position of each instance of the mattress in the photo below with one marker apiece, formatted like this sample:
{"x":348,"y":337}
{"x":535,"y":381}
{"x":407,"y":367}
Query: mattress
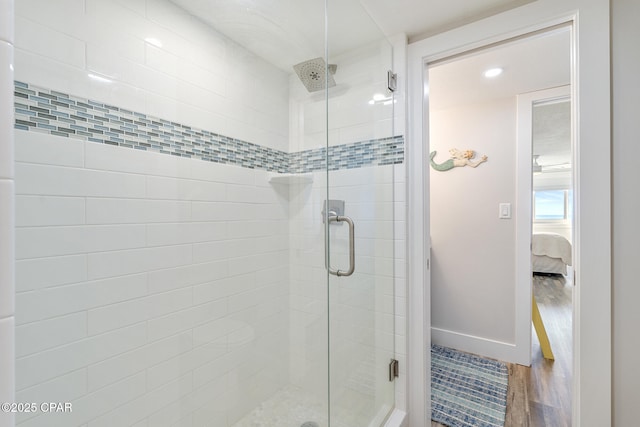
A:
{"x":551,"y":253}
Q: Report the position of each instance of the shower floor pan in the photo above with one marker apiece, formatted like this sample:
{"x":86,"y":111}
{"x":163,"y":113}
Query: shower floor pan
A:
{"x":292,"y":407}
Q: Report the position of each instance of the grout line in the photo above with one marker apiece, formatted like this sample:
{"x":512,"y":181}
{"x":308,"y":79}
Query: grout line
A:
{"x":11,"y":316}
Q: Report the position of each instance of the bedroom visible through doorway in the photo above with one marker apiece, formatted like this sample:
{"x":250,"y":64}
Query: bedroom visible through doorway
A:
{"x":482,"y":216}
{"x":552,"y":248}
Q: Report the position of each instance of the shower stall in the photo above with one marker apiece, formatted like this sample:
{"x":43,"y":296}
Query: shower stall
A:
{"x":208,"y":208}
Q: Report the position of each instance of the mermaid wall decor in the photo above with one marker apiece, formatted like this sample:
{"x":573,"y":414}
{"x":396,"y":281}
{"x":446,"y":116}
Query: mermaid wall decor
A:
{"x":458,"y":159}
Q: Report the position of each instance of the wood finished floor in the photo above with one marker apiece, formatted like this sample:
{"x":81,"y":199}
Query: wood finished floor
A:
{"x":540,"y":395}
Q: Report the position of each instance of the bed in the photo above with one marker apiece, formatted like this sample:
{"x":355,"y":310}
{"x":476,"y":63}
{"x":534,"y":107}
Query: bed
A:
{"x":550,"y":253}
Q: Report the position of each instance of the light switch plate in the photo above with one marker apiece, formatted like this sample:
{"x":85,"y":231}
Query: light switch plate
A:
{"x":505,"y":211}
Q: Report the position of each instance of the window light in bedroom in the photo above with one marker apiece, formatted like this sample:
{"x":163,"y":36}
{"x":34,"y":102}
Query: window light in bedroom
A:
{"x":552,"y":205}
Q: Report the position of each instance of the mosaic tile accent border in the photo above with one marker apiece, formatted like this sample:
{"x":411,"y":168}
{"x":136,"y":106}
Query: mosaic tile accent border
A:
{"x":56,"y":113}
{"x":379,"y":152}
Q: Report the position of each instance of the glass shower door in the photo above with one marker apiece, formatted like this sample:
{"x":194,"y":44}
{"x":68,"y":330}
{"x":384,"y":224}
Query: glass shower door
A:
{"x":359,"y":221}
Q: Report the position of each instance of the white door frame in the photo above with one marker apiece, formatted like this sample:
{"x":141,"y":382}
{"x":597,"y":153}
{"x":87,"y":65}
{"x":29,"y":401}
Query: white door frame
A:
{"x":592,"y":247}
{"x":524,"y":181}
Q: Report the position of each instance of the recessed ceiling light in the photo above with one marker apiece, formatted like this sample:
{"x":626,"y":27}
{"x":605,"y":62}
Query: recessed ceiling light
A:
{"x":493,"y":72}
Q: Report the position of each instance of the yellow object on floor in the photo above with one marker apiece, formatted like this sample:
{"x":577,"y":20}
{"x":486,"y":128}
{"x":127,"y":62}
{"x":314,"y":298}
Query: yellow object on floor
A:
{"x":540,"y":330}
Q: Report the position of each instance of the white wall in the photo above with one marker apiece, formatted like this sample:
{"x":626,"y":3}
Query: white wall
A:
{"x":149,"y":287}
{"x":7,"y":308}
{"x":626,"y":205}
{"x":198,"y":77}
{"x":552,"y":180}
{"x":473,"y":256}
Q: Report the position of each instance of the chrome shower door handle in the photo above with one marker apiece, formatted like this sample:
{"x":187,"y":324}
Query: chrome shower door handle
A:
{"x":352,"y":252}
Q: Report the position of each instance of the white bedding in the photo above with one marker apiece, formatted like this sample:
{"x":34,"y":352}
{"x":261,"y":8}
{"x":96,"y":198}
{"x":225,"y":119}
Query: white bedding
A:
{"x":551,"y":245}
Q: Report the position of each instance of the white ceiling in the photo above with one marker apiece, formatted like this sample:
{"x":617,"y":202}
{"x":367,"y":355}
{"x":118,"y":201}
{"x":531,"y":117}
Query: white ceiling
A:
{"x":533,"y":63}
{"x":421,"y":18}
{"x":286,"y":32}
{"x":529,"y":64}
{"x":552,"y":135}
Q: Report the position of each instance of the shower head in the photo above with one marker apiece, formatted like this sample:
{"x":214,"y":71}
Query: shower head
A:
{"x":313,"y":75}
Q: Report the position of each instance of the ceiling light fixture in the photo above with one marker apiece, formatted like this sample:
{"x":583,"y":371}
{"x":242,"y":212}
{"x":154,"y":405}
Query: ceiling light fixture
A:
{"x":535,"y":167}
{"x":493,"y":72}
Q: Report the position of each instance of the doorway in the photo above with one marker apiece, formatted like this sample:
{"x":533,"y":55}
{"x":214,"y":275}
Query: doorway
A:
{"x":545,"y":119}
{"x":592,"y":241}
{"x":480,"y":217}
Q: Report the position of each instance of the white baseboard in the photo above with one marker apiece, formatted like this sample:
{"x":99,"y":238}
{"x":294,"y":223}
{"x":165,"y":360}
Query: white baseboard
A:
{"x":506,"y":352}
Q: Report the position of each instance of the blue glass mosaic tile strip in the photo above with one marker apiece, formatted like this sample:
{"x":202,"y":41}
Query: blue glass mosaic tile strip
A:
{"x":42,"y":110}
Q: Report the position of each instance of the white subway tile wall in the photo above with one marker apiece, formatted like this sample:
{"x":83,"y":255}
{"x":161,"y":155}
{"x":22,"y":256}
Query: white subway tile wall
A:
{"x":7,"y":363}
{"x":6,"y":21}
{"x":6,"y":118}
{"x":400,"y":270}
{"x":159,"y":290}
{"x":147,"y":306}
{"x":7,"y":251}
{"x":212,"y":272}
{"x":97,"y":50}
{"x":361,"y":307}
{"x":7,"y":218}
